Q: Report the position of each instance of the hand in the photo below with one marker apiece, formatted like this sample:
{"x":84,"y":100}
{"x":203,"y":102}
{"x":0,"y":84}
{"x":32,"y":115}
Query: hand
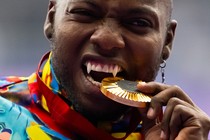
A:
{"x":182,"y":119}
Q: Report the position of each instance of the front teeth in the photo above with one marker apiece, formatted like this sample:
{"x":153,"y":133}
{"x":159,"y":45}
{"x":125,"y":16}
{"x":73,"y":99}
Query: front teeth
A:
{"x":107,"y":68}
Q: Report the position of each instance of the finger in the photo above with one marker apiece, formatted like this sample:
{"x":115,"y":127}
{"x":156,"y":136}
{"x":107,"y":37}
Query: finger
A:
{"x":146,"y":122}
{"x":162,"y":98}
{"x":154,"y":88}
{"x":177,"y":125}
{"x":151,"y":88}
{"x":171,"y":111}
{"x":184,"y":118}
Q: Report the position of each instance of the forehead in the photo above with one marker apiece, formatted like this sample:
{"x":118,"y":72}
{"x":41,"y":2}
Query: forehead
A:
{"x":120,"y":7}
{"x":145,"y":1}
{"x":120,"y":2}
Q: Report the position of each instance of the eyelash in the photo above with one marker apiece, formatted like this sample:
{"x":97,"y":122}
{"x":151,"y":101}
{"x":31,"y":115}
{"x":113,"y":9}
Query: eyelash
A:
{"x":139,"y":22}
{"x":82,"y":12}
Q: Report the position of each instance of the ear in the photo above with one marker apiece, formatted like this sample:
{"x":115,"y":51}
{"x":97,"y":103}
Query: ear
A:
{"x":169,"y":39}
{"x":49,"y":21}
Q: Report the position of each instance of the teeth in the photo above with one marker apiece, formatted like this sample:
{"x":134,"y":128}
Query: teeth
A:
{"x":94,"y":82}
{"x":114,"y":69}
{"x":98,"y":68}
{"x":88,"y":68}
{"x":106,"y":68}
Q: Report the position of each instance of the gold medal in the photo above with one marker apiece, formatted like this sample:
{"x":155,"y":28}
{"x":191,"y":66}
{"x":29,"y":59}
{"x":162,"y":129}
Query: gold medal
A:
{"x":124,"y":92}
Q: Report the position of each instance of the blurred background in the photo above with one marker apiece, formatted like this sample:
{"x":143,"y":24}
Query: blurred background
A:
{"x":22,"y":43}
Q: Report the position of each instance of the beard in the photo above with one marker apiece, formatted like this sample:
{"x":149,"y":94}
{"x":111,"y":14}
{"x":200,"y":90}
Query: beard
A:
{"x":76,"y":99}
{"x":91,"y":115}
{"x":73,"y":97}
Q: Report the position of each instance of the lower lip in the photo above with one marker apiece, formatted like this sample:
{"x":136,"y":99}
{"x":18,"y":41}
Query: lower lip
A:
{"x":98,"y":84}
{"x":91,"y":87}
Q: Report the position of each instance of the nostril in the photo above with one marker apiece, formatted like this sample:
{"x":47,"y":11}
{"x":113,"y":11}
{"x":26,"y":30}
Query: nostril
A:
{"x":107,"y":39}
{"x":106,"y":52}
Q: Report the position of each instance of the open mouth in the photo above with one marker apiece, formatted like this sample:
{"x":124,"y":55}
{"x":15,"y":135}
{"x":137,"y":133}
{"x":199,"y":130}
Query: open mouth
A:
{"x":96,"y":72}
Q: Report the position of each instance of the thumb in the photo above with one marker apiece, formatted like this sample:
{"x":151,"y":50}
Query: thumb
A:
{"x":147,"y":123}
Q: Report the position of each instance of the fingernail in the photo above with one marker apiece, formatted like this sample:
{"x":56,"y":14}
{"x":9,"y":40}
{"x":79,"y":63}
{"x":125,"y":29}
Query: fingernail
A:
{"x":163,"y":135}
{"x":150,"y":112}
{"x":141,"y":83}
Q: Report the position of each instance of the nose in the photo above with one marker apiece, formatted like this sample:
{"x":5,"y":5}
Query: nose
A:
{"x":108,"y":36}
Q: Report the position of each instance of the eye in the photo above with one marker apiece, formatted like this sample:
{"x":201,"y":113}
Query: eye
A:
{"x":139,"y":22}
{"x":83,"y":15}
{"x":138,"y":25}
{"x":82,"y":12}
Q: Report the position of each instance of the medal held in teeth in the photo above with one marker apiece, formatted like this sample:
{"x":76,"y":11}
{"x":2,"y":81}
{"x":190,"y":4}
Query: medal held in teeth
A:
{"x":124,"y":92}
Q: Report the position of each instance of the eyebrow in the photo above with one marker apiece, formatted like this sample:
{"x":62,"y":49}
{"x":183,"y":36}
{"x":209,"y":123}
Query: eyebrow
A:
{"x":143,"y":10}
{"x":146,"y":10}
{"x":137,"y":10}
{"x":90,"y":2}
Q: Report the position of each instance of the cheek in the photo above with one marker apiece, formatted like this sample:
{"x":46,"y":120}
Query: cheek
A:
{"x":72,"y":37}
{"x":145,"y":57}
{"x":64,"y":52}
{"x":68,"y":44}
{"x":65,"y":38}
{"x":146,"y":51}
{"x":65,"y":44}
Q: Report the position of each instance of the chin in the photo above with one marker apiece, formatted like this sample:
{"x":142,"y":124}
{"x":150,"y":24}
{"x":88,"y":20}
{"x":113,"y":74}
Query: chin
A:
{"x":95,"y":115}
{"x":97,"y":108}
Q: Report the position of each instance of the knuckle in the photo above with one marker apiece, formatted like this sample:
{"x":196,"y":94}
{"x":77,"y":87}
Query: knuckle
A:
{"x":156,"y":101}
{"x":179,"y":109}
{"x":173,"y":101}
{"x":176,"y":88}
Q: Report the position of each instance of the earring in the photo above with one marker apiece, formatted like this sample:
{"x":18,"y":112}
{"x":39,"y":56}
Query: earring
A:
{"x":162,"y":69}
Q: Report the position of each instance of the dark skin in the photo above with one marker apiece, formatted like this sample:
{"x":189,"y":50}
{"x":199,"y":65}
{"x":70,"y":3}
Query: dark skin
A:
{"x":134,"y":35}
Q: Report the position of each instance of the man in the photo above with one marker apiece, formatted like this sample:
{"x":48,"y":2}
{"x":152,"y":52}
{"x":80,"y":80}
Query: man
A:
{"x":91,"y":40}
